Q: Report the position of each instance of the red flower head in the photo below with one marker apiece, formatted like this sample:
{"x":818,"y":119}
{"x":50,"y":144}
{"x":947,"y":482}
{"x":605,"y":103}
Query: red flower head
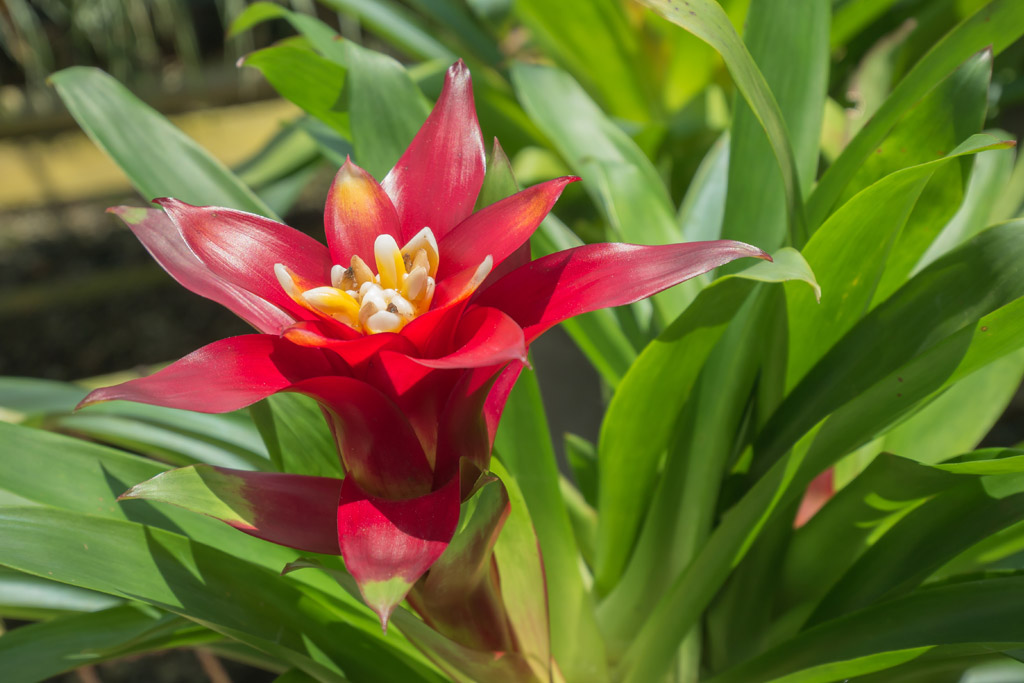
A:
{"x":409,"y":328}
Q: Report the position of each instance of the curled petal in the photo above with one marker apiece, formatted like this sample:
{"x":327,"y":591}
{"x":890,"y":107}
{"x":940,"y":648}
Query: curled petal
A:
{"x":389,"y":544}
{"x":162,"y":240}
{"x":355,"y":350}
{"x":462,"y":434}
{"x":485,"y":336}
{"x":499,"y":229}
{"x":547,"y":291}
{"x":243,"y":248}
{"x":377,"y":444}
{"x":293,"y":510}
{"x":498,"y":397}
{"x":223,"y":376}
{"x":437,"y":180}
{"x":357,"y":212}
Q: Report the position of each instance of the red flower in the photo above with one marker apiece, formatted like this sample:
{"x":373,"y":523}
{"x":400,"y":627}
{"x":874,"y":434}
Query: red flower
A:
{"x":396,"y":328}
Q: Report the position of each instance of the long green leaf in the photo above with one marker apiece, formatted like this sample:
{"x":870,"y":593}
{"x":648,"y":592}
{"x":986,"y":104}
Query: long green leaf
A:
{"x":998,"y":24}
{"x":789,"y":42}
{"x":621,"y":180}
{"x":952,"y":112}
{"x":649,"y":399}
{"x":23,"y":596}
{"x":683,"y":509}
{"x":593,"y":41}
{"x":296,"y":434}
{"x":158,"y":159}
{"x":397,"y":25}
{"x":85,"y":478}
{"x":948,"y":296}
{"x":386,"y":108}
{"x":961,"y":416}
{"x":288,"y":620}
{"x":978,"y":277}
{"x":523,"y":443}
{"x":850,"y":251}
{"x":41,"y":651}
{"x":312,"y":82}
{"x":707,"y":20}
{"x":521,"y":569}
{"x":981,"y":613}
{"x":620,"y":177}
{"x":923,"y":540}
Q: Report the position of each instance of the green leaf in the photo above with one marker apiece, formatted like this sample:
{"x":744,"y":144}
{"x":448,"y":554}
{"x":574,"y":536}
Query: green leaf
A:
{"x":853,"y":16}
{"x":706,"y":436}
{"x":230,"y":431}
{"x":707,"y":20}
{"x":521,"y":570}
{"x":789,"y":43}
{"x":158,"y":159}
{"x":998,"y":24}
{"x":470,"y":38}
{"x":823,"y":549}
{"x":387,"y":108}
{"x":296,"y":435}
{"x":850,"y":252}
{"x":620,"y":178}
{"x":875,"y":352}
{"x":988,"y":181}
{"x":290,"y":621}
{"x":592,"y":39}
{"x":981,"y":613}
{"x":961,"y":416}
{"x":40,"y":651}
{"x":523,"y":443}
{"x":460,"y":663}
{"x":640,"y":418}
{"x":396,"y":25}
{"x":947,"y":297}
{"x":23,"y":596}
{"x":31,"y":396}
{"x":321,"y":36}
{"x":925,"y":538}
{"x":949,"y":114}
{"x":170,"y":445}
{"x":703,"y":209}
{"x":582,"y":457}
{"x":499,"y":179}
{"x":85,"y":478}
{"x":313,"y":83}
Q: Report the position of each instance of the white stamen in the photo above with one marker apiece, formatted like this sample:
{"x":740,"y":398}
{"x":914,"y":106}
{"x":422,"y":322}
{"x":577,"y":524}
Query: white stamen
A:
{"x":383,"y":321}
{"x":384,"y":248}
{"x":337,"y":274}
{"x":375,"y":296}
{"x":415,"y":283}
{"x":368,"y":309}
{"x":482,"y":271}
{"x":284,"y":277}
{"x":403,"y":307}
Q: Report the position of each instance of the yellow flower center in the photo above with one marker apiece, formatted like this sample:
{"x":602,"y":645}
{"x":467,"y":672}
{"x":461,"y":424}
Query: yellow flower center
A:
{"x":401,"y":290}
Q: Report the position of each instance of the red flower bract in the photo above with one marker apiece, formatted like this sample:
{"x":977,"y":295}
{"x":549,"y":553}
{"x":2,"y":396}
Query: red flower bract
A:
{"x":390,"y":329}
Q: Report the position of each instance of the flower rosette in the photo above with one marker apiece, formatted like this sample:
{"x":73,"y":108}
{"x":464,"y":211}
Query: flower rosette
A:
{"x":409,"y":327}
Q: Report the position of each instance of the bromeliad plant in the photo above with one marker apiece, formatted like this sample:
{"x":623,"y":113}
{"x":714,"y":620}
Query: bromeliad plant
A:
{"x":783,"y":489}
{"x":412,"y":359}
